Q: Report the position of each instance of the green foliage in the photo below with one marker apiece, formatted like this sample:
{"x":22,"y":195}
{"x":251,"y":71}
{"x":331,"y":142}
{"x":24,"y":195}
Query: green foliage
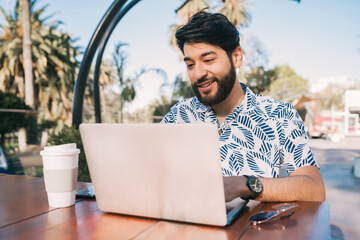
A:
{"x":126,"y":85}
{"x":46,"y":125}
{"x":287,"y":85}
{"x":72,"y":135}
{"x":281,"y":82}
{"x":12,"y":121}
{"x":259,"y":80}
{"x":54,"y":61}
{"x":331,"y":96}
{"x":181,"y":89}
{"x":236,"y":11}
{"x":161,"y":108}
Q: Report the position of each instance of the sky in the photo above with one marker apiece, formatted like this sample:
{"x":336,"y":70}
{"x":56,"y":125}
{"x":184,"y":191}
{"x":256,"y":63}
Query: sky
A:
{"x":317,"y":38}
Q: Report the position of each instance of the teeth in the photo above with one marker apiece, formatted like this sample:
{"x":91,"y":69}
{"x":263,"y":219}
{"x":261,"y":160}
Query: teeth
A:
{"x":208,"y":84}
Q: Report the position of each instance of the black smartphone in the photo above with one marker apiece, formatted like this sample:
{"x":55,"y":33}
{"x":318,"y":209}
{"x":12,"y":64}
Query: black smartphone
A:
{"x":86,"y":193}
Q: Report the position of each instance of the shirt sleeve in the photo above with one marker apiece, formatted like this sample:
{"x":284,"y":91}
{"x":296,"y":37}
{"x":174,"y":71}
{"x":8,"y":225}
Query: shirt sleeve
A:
{"x":296,"y":150}
{"x":170,"y":117}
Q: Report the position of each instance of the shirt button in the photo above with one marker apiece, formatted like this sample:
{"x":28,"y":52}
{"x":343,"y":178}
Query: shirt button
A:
{"x":220,"y":131}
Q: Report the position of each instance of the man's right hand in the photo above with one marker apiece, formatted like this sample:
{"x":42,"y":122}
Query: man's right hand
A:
{"x":235,"y":186}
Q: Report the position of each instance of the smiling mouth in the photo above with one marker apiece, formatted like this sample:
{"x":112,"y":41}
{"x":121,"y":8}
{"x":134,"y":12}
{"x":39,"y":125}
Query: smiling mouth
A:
{"x":205,"y":84}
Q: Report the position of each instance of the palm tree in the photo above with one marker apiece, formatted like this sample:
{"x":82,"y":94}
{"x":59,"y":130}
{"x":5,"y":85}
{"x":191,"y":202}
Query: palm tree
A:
{"x":127,"y":89}
{"x":26,"y":41}
{"x":28,"y":70}
{"x":185,"y":11}
{"x":53,"y":61}
{"x":56,"y":68}
{"x":106,"y":78}
{"x":237,"y":12}
{"x":11,"y":72}
{"x":190,"y":7}
{"x":172,"y":40}
{"x":181,"y":88}
{"x":127,"y":84}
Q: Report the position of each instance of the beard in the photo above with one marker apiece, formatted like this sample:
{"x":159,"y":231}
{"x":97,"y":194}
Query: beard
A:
{"x":225,"y":85}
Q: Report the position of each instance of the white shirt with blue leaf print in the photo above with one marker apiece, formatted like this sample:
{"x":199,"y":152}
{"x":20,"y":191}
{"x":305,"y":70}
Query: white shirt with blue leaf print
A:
{"x":256,"y":137}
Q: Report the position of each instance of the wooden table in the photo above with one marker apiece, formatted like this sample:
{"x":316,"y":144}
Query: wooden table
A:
{"x":25,"y":214}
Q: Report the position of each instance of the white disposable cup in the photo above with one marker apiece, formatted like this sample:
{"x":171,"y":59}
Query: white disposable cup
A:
{"x":60,"y":173}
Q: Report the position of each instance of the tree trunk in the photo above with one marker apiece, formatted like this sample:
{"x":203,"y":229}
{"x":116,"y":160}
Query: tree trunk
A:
{"x":103,"y":103}
{"x":45,"y":133}
{"x":44,"y":137}
{"x":28,"y":70}
{"x":67,"y":108}
{"x":19,"y":79}
{"x":121,"y":111}
{"x":22,"y":140}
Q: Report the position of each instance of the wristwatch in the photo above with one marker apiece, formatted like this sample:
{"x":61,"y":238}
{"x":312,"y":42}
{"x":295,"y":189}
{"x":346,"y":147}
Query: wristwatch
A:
{"x":255,"y":186}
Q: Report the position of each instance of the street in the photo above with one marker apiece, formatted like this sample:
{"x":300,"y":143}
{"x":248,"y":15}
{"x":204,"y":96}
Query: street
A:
{"x":342,"y":188}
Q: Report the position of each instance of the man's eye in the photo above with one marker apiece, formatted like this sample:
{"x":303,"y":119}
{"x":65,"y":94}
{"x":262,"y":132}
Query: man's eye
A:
{"x":209,"y":60}
{"x":189,"y":65}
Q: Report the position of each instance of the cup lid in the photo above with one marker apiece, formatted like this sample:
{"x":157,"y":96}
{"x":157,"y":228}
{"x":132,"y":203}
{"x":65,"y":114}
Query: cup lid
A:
{"x":60,"y":147}
{"x":63,"y":149}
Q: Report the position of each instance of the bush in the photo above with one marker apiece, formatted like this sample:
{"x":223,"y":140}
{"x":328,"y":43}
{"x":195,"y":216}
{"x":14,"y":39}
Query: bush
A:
{"x":12,"y":121}
{"x":72,"y":135}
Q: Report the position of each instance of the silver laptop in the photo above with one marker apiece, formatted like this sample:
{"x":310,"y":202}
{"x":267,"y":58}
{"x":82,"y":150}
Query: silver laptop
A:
{"x":166,"y":171}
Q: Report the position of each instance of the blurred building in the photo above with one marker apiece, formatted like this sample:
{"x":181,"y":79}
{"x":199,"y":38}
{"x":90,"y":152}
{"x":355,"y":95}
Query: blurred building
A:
{"x":352,"y":112}
{"x":346,"y":82}
{"x":333,"y":121}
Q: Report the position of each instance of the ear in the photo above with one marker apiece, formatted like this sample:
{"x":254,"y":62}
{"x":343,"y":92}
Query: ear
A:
{"x":237,"y":57}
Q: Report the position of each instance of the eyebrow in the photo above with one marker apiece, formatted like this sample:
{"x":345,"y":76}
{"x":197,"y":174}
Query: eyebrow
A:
{"x":202,"y":55}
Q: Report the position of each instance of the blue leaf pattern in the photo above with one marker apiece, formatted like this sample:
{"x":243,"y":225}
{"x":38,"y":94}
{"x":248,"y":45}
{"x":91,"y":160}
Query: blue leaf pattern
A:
{"x":255,"y":117}
{"x":281,"y":133}
{"x":296,"y":133}
{"x":226,"y":172}
{"x":289,"y":146}
{"x":184,"y":115}
{"x":268,"y":109}
{"x":223,"y":152}
{"x":249,"y":143}
{"x":245,"y":121}
{"x":234,"y":165}
{"x":298,"y":153}
{"x":264,"y":132}
{"x":265,"y":149}
{"x":240,"y":158}
{"x":255,"y":136}
{"x":233,"y":146}
{"x":253,"y":164}
{"x":225,"y":135}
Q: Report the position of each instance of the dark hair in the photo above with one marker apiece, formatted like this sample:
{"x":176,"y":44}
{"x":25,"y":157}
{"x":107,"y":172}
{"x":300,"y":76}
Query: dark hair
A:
{"x":211,"y":28}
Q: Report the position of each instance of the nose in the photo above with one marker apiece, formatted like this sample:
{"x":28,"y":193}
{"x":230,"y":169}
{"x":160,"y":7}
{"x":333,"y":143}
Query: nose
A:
{"x":199,"y":71}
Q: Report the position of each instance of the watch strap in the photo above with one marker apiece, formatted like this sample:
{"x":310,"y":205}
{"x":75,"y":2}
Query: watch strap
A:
{"x":253,"y":194}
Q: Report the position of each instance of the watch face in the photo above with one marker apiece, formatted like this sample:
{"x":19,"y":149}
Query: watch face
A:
{"x":255,"y":184}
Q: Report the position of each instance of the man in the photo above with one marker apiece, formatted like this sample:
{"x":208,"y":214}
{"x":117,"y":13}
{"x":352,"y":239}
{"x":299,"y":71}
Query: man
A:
{"x":257,"y":134}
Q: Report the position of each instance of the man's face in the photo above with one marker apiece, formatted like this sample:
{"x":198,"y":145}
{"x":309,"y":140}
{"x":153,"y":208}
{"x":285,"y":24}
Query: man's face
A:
{"x":211,"y":72}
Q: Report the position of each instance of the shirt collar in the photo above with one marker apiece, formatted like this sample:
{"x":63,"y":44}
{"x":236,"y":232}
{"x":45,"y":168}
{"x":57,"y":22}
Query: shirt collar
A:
{"x":201,"y":107}
{"x":248,"y":103}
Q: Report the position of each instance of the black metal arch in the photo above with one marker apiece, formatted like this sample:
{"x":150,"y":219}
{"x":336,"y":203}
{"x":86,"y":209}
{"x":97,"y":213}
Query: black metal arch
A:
{"x":101,"y":35}
{"x":100,"y":54}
